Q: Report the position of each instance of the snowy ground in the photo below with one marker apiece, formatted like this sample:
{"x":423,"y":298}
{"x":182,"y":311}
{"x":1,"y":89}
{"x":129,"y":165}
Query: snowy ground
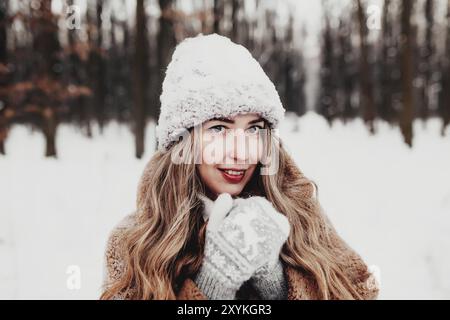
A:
{"x":390,"y":203}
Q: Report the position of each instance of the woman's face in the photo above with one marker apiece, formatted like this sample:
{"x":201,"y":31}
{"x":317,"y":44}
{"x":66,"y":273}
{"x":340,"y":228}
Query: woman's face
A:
{"x":230,"y":153}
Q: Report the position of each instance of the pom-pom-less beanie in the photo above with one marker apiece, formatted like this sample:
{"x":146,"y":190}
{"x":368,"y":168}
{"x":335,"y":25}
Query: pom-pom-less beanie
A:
{"x":209,"y":77}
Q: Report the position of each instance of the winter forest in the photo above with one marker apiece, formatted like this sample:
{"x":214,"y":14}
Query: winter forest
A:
{"x":90,"y":62}
{"x":366,"y":84}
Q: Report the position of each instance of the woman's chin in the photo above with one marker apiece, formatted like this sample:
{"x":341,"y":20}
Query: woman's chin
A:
{"x":233,"y":190}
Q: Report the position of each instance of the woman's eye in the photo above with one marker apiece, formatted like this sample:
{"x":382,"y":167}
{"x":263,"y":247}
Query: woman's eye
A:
{"x":217,"y":129}
{"x":254,"y":129}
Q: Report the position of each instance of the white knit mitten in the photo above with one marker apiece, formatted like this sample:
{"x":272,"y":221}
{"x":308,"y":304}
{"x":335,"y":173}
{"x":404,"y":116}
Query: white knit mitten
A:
{"x":240,"y":237}
{"x":269,"y":279}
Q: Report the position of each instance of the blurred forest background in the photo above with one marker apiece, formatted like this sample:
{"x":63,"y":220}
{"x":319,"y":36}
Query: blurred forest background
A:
{"x":91,"y":62}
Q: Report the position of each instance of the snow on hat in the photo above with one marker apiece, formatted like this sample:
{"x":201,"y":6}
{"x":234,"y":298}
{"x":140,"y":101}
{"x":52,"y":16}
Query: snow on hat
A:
{"x":209,"y":77}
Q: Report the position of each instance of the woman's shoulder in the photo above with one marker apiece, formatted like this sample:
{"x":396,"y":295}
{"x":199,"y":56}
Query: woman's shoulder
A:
{"x":125,"y":223}
{"x":114,"y":248}
{"x":119,"y":230}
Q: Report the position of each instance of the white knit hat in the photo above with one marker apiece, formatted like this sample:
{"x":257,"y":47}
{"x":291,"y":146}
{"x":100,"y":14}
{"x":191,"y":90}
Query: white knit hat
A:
{"x":208,"y":77}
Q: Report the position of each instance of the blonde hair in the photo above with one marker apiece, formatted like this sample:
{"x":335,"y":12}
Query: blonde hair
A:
{"x":165,"y":245}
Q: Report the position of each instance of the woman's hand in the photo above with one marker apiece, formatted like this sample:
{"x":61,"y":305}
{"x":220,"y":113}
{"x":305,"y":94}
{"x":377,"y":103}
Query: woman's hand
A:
{"x":271,"y":225}
{"x":269,"y":279}
{"x":241,"y":238}
{"x":223,"y":269}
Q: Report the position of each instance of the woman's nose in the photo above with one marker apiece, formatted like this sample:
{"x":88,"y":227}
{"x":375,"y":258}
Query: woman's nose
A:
{"x":236,"y":146}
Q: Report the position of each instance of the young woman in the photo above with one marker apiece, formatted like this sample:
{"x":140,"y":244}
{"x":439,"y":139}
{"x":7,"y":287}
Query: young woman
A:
{"x":223,"y":212}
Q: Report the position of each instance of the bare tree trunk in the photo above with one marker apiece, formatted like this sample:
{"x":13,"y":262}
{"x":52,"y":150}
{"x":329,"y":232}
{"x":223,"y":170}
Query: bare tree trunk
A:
{"x":346,"y":70}
{"x":3,"y":16}
{"x":407,"y":113}
{"x":166,"y":41}
{"x":99,"y":21}
{"x":444,"y":104}
{"x":386,"y":82}
{"x":50,"y":126}
{"x":139,"y":80}
{"x":3,"y":80}
{"x":327,"y":97}
{"x":218,"y":13}
{"x":427,"y":60}
{"x":98,"y":65}
{"x":367,"y":97}
{"x":79,"y":75}
{"x":46,"y":46}
{"x":236,"y":5}
{"x":204,"y":18}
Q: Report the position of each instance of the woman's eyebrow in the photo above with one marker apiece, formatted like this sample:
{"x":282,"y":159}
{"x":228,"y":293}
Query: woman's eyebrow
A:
{"x":256,"y":121}
{"x":227,"y":120}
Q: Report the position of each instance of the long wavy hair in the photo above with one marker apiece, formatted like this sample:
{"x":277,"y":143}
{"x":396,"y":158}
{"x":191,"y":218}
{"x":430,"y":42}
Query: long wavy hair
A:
{"x":165,"y":245}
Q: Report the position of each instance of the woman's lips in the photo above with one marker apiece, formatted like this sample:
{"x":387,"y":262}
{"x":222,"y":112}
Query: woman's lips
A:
{"x":233,"y":175}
